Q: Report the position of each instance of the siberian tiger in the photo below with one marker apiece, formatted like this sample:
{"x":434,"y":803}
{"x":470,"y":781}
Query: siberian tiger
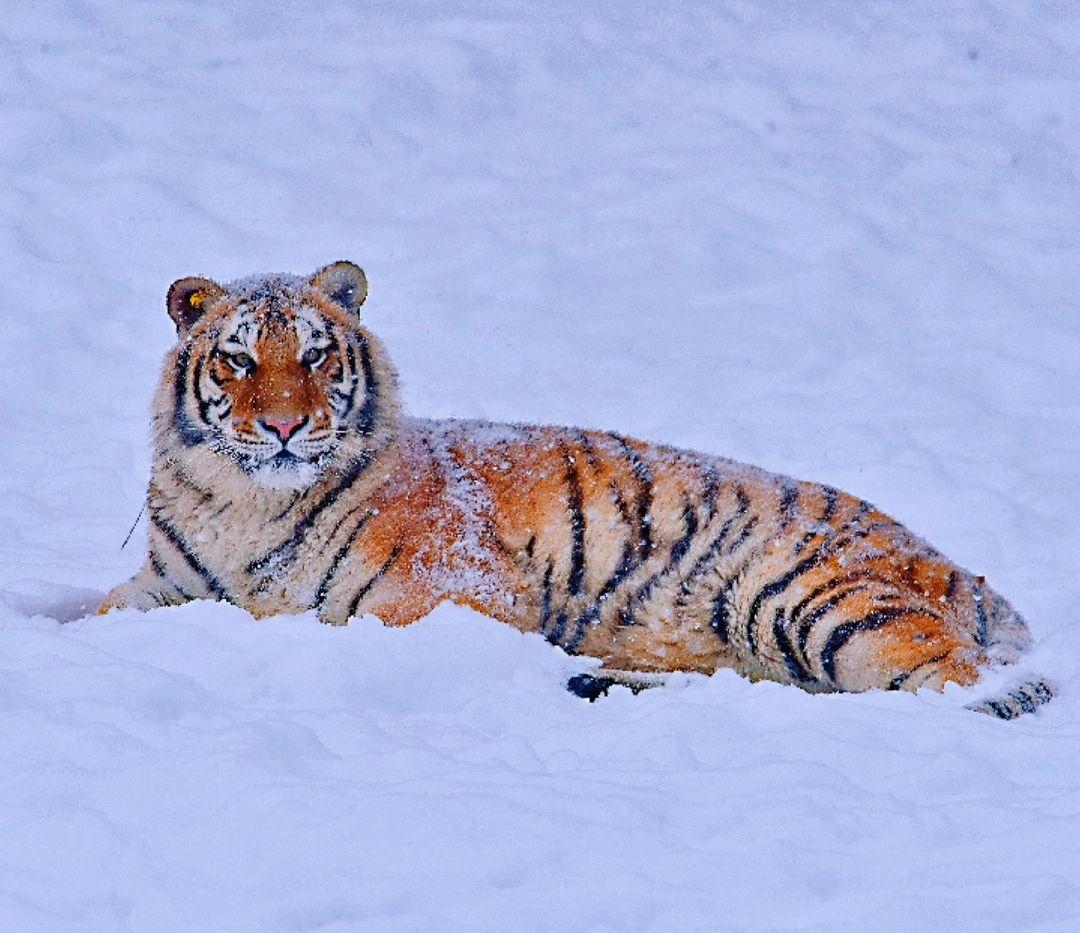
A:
{"x":285,"y":478}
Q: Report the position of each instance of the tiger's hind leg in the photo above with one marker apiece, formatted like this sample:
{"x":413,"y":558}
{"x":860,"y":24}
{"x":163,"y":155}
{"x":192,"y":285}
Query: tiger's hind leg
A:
{"x":591,"y":686}
{"x":897,"y":649}
{"x":960,"y":666}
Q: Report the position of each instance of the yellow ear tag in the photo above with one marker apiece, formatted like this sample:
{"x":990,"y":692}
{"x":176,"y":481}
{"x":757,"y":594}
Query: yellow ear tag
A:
{"x":196,"y":299}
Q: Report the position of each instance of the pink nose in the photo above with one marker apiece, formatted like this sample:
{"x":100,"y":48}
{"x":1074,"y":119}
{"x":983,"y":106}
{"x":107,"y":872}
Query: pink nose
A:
{"x":284,"y":428}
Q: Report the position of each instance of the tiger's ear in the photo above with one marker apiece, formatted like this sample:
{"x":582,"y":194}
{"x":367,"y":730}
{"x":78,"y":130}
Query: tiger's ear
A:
{"x":344,"y":283}
{"x":187,"y":300}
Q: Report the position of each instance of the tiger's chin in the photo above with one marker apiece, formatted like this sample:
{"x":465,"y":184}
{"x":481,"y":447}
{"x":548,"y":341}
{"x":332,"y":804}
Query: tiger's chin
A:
{"x":288,"y":472}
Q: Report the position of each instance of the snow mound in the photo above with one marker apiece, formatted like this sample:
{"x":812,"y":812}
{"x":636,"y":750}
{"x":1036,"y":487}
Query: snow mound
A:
{"x":836,"y":240}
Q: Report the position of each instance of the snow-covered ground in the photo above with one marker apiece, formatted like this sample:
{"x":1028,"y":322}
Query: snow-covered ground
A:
{"x":839,"y":240}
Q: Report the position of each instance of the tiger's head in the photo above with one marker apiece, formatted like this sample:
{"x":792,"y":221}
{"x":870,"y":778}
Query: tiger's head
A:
{"x":276,"y":374}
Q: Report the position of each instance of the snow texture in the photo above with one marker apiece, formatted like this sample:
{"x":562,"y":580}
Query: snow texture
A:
{"x":837,"y":239}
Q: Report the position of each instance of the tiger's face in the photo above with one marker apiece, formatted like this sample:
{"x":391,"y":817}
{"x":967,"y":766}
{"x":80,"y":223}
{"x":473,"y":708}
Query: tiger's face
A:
{"x":275,"y":372}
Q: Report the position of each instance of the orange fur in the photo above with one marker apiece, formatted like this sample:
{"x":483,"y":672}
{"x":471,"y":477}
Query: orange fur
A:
{"x":649,"y":558}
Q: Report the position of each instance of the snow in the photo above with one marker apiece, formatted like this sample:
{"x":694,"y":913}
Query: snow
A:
{"x":836,"y":240}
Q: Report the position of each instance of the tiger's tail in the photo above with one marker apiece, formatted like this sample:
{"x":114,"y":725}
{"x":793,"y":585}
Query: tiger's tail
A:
{"x":1025,"y":697}
{"x":1005,"y":637}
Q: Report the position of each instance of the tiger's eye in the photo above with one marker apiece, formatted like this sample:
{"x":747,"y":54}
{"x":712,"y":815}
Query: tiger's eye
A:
{"x":241,"y":361}
{"x":313,"y":357}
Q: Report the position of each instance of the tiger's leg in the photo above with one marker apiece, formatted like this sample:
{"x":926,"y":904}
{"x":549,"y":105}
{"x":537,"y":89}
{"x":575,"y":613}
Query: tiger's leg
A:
{"x":897,"y":649}
{"x":148,"y":589}
{"x":383,"y":586}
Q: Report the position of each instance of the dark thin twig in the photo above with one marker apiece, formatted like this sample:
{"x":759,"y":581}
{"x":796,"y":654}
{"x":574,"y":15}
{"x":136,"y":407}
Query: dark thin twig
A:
{"x":134,"y":525}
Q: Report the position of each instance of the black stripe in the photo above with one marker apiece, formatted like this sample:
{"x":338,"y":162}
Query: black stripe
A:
{"x":832,"y":583}
{"x":794,"y":663}
{"x":559,"y":628}
{"x":285,"y":511}
{"x":589,"y":451}
{"x":201,"y":403}
{"x":709,"y":491}
{"x":323,"y":588}
{"x":354,"y":378}
{"x":1041,"y":690}
{"x":576,"y":577}
{"x":638,"y":531}
{"x":744,"y":536}
{"x":806,"y":624}
{"x":843,"y":633}
{"x":950,"y":587}
{"x":182,"y":479}
{"x":720,"y":618}
{"x":643,"y":475}
{"x":215,"y":353}
{"x":189,"y":434}
{"x":368,"y":414}
{"x":1026,"y":703}
{"x":341,"y":521}
{"x":177,"y":541}
{"x":375,"y":577}
{"x":219,"y":512}
{"x":620,"y":504}
{"x":899,"y":680}
{"x":777,"y":586}
{"x":836,"y":545}
{"x":626,"y":565}
{"x":678,"y":551}
{"x":864,"y":509}
{"x":545,"y":599}
{"x":789,"y":499}
{"x":690,"y":527}
{"x":332,"y":347}
{"x":831,"y":497}
{"x":285,"y":553}
{"x":707,"y":561}
{"x":504,"y":546}
{"x":982,"y":625}
{"x":159,"y":569}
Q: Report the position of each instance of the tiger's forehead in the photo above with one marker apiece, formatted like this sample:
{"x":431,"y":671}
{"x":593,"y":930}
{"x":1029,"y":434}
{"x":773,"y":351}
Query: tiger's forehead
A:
{"x":276,"y":322}
{"x":269,"y":289}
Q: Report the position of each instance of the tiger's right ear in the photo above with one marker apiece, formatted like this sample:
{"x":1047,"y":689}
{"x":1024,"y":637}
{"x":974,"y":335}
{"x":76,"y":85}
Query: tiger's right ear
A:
{"x":187,"y":300}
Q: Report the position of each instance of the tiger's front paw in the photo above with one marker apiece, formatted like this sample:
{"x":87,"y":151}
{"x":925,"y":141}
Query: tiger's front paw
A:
{"x":131,"y":596}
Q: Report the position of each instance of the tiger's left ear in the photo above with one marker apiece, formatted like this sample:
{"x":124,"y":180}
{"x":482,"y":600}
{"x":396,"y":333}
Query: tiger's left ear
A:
{"x":187,"y":300}
{"x":344,"y":283}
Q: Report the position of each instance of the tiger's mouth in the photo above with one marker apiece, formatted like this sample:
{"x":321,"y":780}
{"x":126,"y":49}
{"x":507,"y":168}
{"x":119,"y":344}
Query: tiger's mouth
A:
{"x":283,"y":468}
{"x":286,"y":459}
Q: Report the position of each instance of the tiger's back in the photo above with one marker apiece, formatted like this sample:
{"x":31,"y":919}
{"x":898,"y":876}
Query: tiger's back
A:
{"x":656,"y":559}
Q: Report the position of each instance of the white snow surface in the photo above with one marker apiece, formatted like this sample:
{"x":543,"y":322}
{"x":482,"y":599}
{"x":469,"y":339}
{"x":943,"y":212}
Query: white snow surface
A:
{"x":838,"y":240}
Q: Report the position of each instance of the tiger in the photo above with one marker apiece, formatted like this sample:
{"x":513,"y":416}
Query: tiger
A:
{"x":286,"y":478}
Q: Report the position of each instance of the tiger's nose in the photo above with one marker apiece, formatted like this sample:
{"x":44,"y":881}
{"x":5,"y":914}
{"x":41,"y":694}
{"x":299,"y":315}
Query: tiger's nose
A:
{"x":284,"y":428}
